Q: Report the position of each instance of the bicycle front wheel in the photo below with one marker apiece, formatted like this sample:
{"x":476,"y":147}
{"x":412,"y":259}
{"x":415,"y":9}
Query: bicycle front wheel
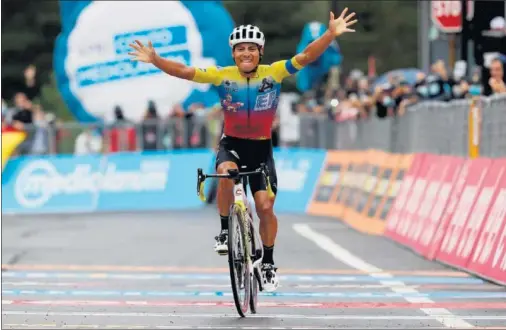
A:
{"x":240,"y":274}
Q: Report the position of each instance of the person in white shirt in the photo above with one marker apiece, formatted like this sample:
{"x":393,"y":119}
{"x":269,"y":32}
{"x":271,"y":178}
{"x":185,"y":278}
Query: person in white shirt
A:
{"x":88,"y":142}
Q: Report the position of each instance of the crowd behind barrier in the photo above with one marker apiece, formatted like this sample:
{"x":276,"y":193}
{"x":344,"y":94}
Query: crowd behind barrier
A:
{"x":448,"y":128}
{"x":430,"y":126}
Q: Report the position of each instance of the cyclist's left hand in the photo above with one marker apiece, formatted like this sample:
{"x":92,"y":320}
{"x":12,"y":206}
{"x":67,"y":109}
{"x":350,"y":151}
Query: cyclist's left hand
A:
{"x":341,"y":24}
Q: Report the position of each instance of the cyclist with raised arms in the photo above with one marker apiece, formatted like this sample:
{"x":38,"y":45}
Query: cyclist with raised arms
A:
{"x":249,"y":93}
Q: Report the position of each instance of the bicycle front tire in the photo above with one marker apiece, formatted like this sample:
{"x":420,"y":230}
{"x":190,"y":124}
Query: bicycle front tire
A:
{"x":237,"y":260}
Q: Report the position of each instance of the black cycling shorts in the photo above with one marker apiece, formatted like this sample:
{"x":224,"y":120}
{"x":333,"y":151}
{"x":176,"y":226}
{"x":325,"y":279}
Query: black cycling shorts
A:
{"x":249,"y":153}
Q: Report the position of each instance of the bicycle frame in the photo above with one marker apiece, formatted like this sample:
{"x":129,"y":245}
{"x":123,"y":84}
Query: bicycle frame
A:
{"x":241,"y":201}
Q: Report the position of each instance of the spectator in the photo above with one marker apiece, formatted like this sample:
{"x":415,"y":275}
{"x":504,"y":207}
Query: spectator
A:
{"x":150,"y":128}
{"x":309,"y":103}
{"x":119,"y":118}
{"x":41,"y":131}
{"x":497,"y":81}
{"x":176,"y":125}
{"x":88,"y":142}
{"x":122,"y":135}
{"x":360,"y":99}
{"x":23,"y":108}
{"x":196,"y":124}
{"x":403,"y":95}
{"x":7,"y":115}
{"x":475,"y":88}
{"x":214,"y":124}
{"x":22,"y":120}
{"x":289,"y":121}
{"x":32,"y":87}
{"x":385,"y":103}
{"x":439,"y":83}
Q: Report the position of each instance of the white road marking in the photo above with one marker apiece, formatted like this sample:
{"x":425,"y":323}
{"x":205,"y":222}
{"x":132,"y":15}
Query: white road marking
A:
{"x":442,"y":315}
{"x":308,"y":286}
{"x":269,"y":316}
{"x":180,"y":327}
{"x":34,"y":283}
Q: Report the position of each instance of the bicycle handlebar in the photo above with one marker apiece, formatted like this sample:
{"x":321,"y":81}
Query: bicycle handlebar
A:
{"x":232,"y":174}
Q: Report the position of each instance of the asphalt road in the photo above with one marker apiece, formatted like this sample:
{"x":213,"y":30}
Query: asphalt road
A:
{"x":158,"y":270}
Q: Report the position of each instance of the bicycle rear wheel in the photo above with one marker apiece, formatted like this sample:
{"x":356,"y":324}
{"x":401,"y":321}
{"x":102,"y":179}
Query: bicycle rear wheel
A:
{"x":253,"y":300}
{"x":240,"y":277}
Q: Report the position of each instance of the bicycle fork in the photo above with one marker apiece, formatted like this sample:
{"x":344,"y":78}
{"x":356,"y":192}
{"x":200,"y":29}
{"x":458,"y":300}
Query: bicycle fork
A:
{"x":253,"y":266}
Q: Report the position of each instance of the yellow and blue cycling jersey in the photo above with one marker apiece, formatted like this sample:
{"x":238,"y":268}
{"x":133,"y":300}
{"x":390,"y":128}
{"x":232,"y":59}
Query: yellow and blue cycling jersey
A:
{"x":249,"y":104}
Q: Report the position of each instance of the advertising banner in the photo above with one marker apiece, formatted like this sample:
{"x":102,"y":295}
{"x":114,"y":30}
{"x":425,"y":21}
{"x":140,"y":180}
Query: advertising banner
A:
{"x":459,"y":217}
{"x":297,"y":171}
{"x":366,"y":189}
{"x":145,"y":181}
{"x":488,"y":257}
{"x":52,"y":184}
{"x":95,"y":73}
{"x":354,"y":181}
{"x":114,"y":182}
{"x":408,"y":228}
{"x":394,"y":219}
{"x":440,"y":188}
{"x":330,"y":184}
{"x":389,"y":185}
{"x":474,"y":224}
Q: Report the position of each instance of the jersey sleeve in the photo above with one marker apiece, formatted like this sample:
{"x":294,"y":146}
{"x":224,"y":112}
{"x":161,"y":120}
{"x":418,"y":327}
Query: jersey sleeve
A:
{"x":209,"y":75}
{"x":285,"y":68}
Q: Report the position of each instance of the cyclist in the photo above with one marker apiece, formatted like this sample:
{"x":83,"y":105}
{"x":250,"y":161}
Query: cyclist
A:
{"x":249,"y":93}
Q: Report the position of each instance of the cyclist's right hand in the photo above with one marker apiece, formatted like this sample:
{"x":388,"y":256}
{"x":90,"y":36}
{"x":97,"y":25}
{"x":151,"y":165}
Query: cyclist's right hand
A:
{"x":143,"y":53}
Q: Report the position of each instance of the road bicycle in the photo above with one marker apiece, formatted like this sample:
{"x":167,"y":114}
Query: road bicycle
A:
{"x":245,"y":249}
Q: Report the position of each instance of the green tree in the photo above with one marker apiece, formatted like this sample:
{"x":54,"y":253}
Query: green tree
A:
{"x":29,"y":30}
{"x":51,"y":101}
{"x":282,"y":23}
{"x":386,"y":29}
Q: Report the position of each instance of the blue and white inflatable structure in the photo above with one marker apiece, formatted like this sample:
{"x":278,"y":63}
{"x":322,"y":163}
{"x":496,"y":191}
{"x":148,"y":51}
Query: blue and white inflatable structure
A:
{"x":95,"y":73}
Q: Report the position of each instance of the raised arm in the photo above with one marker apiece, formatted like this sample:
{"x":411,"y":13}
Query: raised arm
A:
{"x":336,"y":27}
{"x":149,"y":55}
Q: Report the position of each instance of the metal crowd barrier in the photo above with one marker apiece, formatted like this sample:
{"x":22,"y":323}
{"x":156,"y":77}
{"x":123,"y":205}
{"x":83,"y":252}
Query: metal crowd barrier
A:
{"x":156,"y":134}
{"x":468,"y":127}
{"x":460,"y":127}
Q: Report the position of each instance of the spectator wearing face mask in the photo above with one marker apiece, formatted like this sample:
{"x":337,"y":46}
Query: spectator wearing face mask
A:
{"x":420,"y":88}
{"x":385,"y":103}
{"x":402,"y":94}
{"x":458,"y":83}
{"x":475,"y":87}
{"x":438,"y":83}
{"x":434,"y":86}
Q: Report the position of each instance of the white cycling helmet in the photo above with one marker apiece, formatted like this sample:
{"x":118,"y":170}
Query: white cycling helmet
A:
{"x":246,"y":33}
